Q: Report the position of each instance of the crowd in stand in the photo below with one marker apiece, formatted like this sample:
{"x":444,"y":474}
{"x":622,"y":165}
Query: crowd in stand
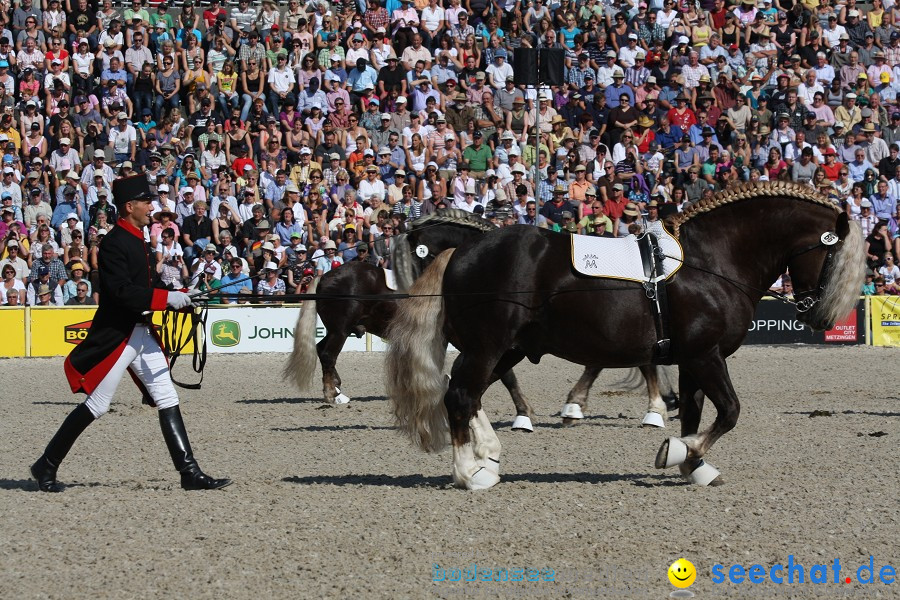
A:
{"x":286,"y":140}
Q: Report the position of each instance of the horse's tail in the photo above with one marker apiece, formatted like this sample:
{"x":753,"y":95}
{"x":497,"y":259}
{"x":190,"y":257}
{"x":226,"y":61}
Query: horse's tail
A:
{"x":415,"y":361}
{"x":848,"y":271}
{"x":301,"y":364}
{"x":402,"y":263}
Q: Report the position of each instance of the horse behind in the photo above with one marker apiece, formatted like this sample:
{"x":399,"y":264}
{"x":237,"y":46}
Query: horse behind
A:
{"x":510,"y":295}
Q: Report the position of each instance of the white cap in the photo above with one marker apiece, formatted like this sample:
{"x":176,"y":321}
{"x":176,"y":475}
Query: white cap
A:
{"x":270,"y":266}
{"x":71,"y":215}
{"x":65,"y":141}
{"x":72,"y":175}
{"x":187,"y":190}
{"x":401,"y":100}
{"x":163,"y":187}
{"x":305,"y":150}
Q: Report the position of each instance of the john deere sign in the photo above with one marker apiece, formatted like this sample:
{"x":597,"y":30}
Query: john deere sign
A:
{"x":226,"y":334}
{"x":260,"y":329}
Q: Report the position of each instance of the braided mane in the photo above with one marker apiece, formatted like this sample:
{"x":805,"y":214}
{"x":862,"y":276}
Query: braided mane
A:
{"x":748,"y":191}
{"x":454,"y":216}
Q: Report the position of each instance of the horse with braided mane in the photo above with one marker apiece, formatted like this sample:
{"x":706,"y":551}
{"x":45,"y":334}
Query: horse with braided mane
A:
{"x":734,"y":245}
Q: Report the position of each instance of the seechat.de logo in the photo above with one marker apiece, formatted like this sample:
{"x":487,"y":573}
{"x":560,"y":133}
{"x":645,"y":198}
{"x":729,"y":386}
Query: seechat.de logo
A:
{"x":76,"y":332}
{"x":226,"y":333}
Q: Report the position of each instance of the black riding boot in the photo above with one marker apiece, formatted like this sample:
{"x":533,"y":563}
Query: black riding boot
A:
{"x":192,"y":478}
{"x":44,"y":470}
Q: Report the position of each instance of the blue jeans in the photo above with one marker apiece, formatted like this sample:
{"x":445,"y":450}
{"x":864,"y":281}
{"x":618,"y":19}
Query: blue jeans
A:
{"x":247,"y":101}
{"x":226,"y":104}
{"x":142,"y":100}
{"x":275,"y":101}
{"x":161,"y":104}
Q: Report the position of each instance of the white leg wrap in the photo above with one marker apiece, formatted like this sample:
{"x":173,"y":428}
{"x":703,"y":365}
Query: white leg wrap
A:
{"x":571,"y":411}
{"x":341,"y":399}
{"x":476,"y":465}
{"x":704,"y":474}
{"x":522,"y":423}
{"x":467,"y":474}
{"x":653,"y":419}
{"x":486,"y":443}
{"x":677,"y":453}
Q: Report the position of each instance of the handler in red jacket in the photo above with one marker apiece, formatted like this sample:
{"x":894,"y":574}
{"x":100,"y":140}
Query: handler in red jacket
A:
{"x":121,"y":338}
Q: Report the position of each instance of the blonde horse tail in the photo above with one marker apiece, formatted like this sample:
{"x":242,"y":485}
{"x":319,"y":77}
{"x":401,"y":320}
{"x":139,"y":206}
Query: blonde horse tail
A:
{"x":301,"y":364}
{"x":848,"y":271}
{"x":415,"y":361}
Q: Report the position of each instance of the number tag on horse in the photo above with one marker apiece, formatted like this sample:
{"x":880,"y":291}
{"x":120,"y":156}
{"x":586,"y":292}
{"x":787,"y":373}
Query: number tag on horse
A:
{"x":829,"y":238}
{"x":421,"y":250}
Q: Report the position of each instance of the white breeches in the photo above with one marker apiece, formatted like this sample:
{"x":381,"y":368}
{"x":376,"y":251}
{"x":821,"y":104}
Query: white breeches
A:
{"x":148,"y":362}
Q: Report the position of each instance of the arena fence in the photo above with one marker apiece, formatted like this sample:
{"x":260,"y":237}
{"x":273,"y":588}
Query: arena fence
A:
{"x":258,"y":328}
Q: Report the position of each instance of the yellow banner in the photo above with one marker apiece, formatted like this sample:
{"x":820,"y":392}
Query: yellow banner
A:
{"x":885,"y":316}
{"x":56,"y":330}
{"x":12,"y":324}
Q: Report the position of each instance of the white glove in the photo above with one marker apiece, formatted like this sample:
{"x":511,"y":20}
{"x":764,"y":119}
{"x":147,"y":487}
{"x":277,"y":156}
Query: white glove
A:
{"x":178,"y":300}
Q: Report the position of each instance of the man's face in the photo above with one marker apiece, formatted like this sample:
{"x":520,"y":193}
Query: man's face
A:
{"x":140,"y":211}
{"x":47,"y":255}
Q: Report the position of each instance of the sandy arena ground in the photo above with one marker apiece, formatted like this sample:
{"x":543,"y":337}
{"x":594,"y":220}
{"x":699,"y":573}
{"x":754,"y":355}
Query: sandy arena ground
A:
{"x":331,"y":503}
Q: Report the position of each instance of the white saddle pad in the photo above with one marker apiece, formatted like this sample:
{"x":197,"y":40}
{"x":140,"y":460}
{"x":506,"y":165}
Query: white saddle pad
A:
{"x":389,"y":279}
{"x":620,"y":258}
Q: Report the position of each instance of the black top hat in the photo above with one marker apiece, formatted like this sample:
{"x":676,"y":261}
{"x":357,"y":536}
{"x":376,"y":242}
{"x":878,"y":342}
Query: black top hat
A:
{"x":126,"y":189}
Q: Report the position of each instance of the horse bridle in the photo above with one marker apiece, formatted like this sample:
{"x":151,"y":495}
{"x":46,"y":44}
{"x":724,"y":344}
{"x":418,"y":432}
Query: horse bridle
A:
{"x":805,"y":300}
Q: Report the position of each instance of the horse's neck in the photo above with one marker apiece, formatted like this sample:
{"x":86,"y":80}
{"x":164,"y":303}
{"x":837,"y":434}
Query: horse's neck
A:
{"x":745,"y":243}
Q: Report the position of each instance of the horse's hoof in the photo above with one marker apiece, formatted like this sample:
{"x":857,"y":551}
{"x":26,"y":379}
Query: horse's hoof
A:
{"x":483,"y":479}
{"x":672,"y":453}
{"x":522,"y":423}
{"x":571,"y":411}
{"x":652,"y":419}
{"x":341,"y":399}
{"x":705,"y":474}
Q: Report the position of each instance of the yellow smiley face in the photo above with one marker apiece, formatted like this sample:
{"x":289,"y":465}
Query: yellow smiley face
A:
{"x":682,"y":573}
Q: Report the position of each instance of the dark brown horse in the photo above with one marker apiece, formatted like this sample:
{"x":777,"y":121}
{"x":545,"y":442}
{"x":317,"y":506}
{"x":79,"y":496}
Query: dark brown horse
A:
{"x":362,"y":303}
{"x":510,"y":295}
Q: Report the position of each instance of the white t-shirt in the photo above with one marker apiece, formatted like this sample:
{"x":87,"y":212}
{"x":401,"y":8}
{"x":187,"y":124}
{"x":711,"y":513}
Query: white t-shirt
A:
{"x":890,"y":274}
{"x":368,"y":189}
{"x":122,"y":139}
{"x":431,"y":19}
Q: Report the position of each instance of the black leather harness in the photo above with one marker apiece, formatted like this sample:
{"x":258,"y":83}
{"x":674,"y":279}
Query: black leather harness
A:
{"x":652,"y":257}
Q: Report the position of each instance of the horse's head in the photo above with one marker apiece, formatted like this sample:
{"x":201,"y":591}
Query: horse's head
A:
{"x":827,"y":275}
{"x":426,"y":238}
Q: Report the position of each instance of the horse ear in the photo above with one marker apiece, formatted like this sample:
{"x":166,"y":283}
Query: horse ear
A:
{"x":842,"y":227}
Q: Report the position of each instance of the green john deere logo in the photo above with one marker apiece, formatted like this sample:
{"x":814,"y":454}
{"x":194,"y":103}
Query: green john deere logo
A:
{"x":226,"y":334}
